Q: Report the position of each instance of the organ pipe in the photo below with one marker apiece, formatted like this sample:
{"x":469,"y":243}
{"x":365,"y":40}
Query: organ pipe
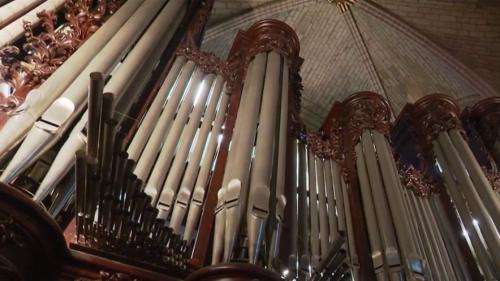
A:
{"x":236,"y":178}
{"x":11,"y":11}
{"x":187,"y":136}
{"x":56,"y":119}
{"x":12,"y":25}
{"x":39,"y":100}
{"x":189,"y":178}
{"x":123,"y":80}
{"x":323,"y":214}
{"x":204,"y":170}
{"x":260,"y":180}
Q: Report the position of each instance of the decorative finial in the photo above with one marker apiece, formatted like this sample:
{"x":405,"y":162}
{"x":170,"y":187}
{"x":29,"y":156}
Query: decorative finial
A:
{"x":343,"y":5}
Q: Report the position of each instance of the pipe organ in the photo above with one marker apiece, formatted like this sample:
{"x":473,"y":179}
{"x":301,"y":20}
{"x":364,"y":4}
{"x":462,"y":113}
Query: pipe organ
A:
{"x":465,"y":190}
{"x":134,"y":155}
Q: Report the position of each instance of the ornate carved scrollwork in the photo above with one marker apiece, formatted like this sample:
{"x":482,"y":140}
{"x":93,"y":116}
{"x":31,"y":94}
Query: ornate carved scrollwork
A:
{"x":108,"y":276}
{"x":434,"y":114}
{"x":319,"y":145}
{"x":415,"y":180}
{"x":365,"y":110}
{"x":493,"y":177}
{"x":27,"y":67}
{"x":208,"y":62}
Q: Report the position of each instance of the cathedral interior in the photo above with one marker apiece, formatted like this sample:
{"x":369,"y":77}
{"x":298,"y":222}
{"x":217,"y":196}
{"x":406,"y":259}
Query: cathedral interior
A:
{"x":247,"y":140}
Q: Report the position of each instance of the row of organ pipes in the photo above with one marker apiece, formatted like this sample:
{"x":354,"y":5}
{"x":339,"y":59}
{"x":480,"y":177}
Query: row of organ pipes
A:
{"x":362,"y":199}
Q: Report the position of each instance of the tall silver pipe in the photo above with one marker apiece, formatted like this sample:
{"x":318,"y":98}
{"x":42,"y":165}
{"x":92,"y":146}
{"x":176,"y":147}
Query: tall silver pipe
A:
{"x":155,"y":110}
{"x":183,"y":87}
{"x":323,"y":214}
{"x":283,"y":158}
{"x":340,"y":202}
{"x":38,"y":100}
{"x":262,"y":167}
{"x":429,"y":238}
{"x":204,"y":170}
{"x":369,"y":211}
{"x":332,"y":216}
{"x":313,"y":211}
{"x":483,"y":187}
{"x":450,"y":238}
{"x":413,"y":263}
{"x":485,"y":261}
{"x":164,"y":160}
{"x":422,"y":237}
{"x":189,"y":178}
{"x":183,"y":144}
{"x":240,"y":156}
{"x":476,"y":205}
{"x":303,"y":211}
{"x":351,"y":244}
{"x":387,"y":234}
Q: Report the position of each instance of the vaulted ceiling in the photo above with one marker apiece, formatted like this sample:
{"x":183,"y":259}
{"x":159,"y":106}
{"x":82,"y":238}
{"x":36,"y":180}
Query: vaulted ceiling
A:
{"x":402,"y":49}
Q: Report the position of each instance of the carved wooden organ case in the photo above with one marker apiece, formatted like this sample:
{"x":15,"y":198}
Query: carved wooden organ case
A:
{"x":126,"y":140}
{"x":129,"y":154}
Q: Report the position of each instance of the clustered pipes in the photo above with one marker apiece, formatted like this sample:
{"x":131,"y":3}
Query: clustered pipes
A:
{"x":113,"y":212}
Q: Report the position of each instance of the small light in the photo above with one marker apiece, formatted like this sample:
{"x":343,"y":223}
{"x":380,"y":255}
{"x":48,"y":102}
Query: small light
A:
{"x":475,"y":222}
{"x":465,"y":233}
{"x":286,"y":272}
{"x":219,"y":138}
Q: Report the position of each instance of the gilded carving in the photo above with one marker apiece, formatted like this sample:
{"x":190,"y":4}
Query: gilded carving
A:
{"x":435,"y":114}
{"x":364,"y":111}
{"x":27,"y":67}
{"x":208,"y":62}
{"x":107,"y":276}
{"x":415,"y":180}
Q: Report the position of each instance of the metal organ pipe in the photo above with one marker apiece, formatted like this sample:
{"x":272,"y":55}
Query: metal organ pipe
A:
{"x":262,"y":167}
{"x":239,"y":159}
{"x":283,"y":159}
{"x":323,"y":214}
{"x":189,"y":178}
{"x":14,"y":30}
{"x":204,"y":170}
{"x":161,"y":166}
{"x":72,"y":100}
{"x":145,"y":161}
{"x":303,"y":213}
{"x":476,"y":205}
{"x":126,"y":80}
{"x":176,"y":170}
{"x":392,"y":182}
{"x":147,"y":126}
{"x":313,"y":205}
{"x":13,"y":10}
{"x":332,"y":217}
{"x":371,"y":219}
{"x":486,"y":261}
{"x":220,"y":211}
{"x":484,"y":189}
{"x":38,"y":100}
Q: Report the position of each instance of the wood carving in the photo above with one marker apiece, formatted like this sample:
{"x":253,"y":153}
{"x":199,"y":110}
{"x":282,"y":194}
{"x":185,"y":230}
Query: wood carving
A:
{"x":107,"y":276}
{"x":320,"y":145}
{"x":415,"y":180}
{"x":26,"y":67}
{"x":208,"y":62}
{"x":434,"y":114}
{"x":366,"y":110}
